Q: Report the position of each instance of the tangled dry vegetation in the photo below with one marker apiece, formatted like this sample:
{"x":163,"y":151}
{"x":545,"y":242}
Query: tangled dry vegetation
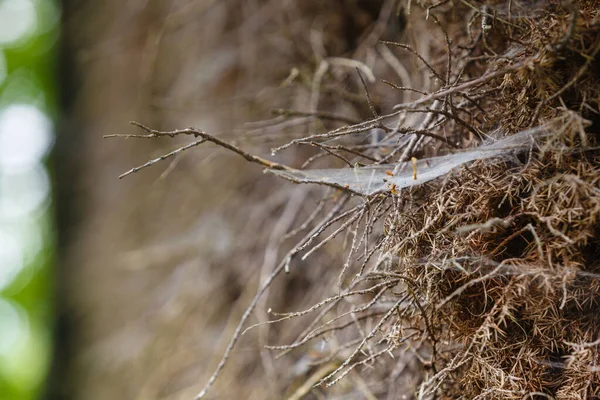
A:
{"x":479,"y":283}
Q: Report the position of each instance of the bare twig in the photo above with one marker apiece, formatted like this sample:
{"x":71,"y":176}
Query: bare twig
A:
{"x":153,"y":133}
{"x":419,"y":56}
{"x":163,"y":157}
{"x":317,"y":114}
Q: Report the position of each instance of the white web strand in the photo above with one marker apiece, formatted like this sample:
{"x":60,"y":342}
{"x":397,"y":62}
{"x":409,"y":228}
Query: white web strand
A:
{"x":381,"y":178}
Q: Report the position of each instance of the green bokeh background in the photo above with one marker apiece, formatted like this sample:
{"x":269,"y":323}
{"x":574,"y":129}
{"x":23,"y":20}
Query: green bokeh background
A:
{"x":31,"y":78}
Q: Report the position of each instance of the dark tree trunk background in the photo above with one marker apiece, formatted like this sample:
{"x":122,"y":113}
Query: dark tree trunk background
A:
{"x":149,"y":284}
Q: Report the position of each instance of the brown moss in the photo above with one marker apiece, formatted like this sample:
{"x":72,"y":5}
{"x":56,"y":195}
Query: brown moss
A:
{"x":501,"y":299}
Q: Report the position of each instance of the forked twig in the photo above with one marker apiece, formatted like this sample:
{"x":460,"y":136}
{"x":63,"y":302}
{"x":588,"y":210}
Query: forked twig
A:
{"x":153,"y":133}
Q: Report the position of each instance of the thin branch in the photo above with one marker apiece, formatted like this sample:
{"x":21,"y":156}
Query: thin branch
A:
{"x":163,"y":157}
{"x":369,"y":101}
{"x":153,"y":133}
{"x":324,"y":148}
{"x":404,"y":88}
{"x":317,"y":114}
{"x":416,"y":53}
{"x":459,"y":88}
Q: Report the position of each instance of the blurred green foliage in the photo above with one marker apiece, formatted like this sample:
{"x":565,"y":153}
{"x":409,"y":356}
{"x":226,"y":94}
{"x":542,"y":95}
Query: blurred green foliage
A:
{"x":29,"y":33}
